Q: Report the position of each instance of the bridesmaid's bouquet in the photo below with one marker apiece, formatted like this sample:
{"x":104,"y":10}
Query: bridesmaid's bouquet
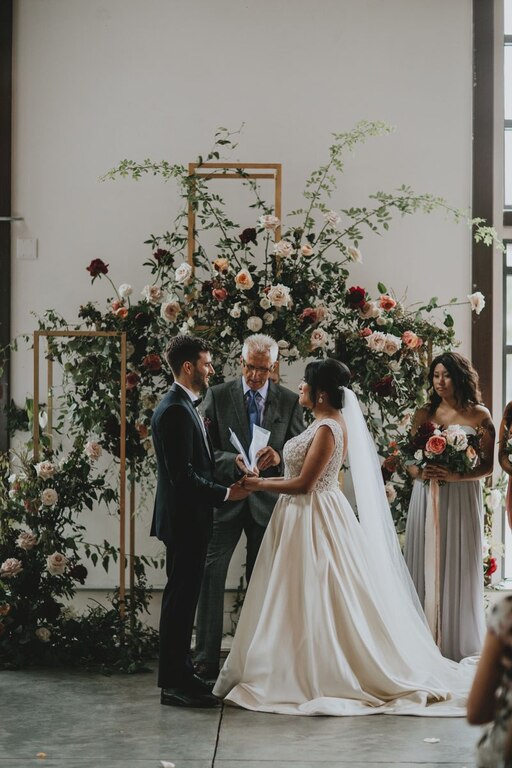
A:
{"x":451,"y":447}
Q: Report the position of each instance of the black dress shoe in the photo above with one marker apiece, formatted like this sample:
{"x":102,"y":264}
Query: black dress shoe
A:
{"x":207,"y":672}
{"x":184,"y":697}
{"x":197,"y":683}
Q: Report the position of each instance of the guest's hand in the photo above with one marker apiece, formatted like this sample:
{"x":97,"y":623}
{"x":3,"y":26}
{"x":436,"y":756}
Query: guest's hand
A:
{"x":242,"y":466}
{"x":267,"y":457}
{"x":238,"y":491}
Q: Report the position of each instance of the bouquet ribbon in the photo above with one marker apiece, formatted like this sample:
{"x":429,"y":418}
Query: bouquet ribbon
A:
{"x":432,"y":565}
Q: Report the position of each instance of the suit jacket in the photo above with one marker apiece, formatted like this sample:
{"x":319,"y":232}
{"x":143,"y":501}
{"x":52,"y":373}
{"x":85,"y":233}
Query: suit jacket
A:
{"x":186,"y":492}
{"x":225,"y":407}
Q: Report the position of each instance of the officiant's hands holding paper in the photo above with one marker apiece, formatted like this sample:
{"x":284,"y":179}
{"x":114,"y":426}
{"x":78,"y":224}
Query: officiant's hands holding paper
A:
{"x":267,"y":457}
{"x":242,"y":466}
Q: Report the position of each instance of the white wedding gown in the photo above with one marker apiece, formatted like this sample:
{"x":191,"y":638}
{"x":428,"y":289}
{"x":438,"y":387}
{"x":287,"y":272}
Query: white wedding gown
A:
{"x":322,"y":630}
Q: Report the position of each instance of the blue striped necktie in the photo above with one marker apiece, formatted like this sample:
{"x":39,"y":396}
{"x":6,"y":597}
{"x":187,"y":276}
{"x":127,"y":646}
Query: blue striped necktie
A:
{"x":252,"y":408}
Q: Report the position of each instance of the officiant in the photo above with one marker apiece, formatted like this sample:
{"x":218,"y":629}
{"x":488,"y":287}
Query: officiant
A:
{"x":251,"y":399}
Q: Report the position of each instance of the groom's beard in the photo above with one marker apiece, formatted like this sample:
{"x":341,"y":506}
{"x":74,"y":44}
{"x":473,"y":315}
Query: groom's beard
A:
{"x":200,"y":382}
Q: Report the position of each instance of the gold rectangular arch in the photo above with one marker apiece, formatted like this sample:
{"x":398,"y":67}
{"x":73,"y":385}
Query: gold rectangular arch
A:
{"x":221,"y":171}
{"x":122,"y":443}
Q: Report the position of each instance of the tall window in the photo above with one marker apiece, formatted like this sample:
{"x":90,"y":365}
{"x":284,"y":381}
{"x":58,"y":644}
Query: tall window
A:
{"x":508,"y":111}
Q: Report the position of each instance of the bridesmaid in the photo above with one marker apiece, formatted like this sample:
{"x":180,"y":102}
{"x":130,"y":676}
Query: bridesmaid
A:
{"x":443,"y":546}
{"x":504,"y":452}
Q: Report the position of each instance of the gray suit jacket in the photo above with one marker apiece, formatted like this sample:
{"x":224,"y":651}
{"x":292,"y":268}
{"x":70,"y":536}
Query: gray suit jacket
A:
{"x":224,"y":407}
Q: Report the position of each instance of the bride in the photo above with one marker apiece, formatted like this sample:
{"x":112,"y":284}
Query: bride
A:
{"x":331,"y":623}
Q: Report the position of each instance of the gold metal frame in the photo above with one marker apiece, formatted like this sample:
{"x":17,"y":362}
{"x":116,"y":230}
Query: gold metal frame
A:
{"x":122,"y":444}
{"x":218,"y":171}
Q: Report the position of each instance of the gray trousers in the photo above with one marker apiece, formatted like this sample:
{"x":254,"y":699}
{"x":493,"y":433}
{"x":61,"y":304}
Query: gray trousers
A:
{"x":210,"y":609}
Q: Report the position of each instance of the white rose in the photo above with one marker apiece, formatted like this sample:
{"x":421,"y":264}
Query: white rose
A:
{"x":390,"y":492}
{"x":319,"y":338}
{"x":125,"y":290}
{"x":354,"y":254}
{"x":45,"y":469}
{"x":254,"y":323}
{"x":293,"y":352}
{"x":26,"y":540}
{"x":283,"y":248}
{"x":43,"y":634}
{"x":368,"y":310}
{"x":332,"y":218}
{"x":265,"y":303}
{"x":268,"y":221}
{"x":170,"y":310}
{"x":477,"y":301}
{"x":306,"y":250}
{"x":493,"y":500}
{"x":268,"y":318}
{"x":392,"y":344}
{"x":382,"y":321}
{"x":418,"y":455}
{"x":283,"y":344}
{"x":394,"y":365}
{"x":183,"y":272}
{"x":49,"y":497}
{"x":279,"y":295}
{"x":236,"y":311}
{"x":152,"y":293}
{"x":93,"y":450}
{"x":10,"y":567}
{"x":376,"y":341}
{"x":56,"y":563}
{"x":456,"y":437}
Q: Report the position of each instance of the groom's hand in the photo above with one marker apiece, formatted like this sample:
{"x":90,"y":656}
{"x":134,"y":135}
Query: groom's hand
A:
{"x":237,"y":492}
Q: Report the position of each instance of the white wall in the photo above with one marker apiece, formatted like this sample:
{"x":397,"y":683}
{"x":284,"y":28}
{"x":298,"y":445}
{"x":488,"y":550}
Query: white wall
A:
{"x":96,"y":81}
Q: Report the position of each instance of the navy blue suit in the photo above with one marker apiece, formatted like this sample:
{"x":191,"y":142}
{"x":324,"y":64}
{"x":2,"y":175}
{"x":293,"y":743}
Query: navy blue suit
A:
{"x":185,"y":497}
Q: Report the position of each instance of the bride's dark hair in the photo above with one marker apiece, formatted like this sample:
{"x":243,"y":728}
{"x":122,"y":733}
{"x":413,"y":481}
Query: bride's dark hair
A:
{"x":329,"y":376}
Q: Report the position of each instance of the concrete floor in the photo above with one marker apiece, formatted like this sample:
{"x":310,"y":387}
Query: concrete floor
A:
{"x":81,"y":720}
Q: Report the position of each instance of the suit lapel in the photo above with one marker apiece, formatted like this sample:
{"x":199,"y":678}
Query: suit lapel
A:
{"x":194,"y":415}
{"x":271,"y":406}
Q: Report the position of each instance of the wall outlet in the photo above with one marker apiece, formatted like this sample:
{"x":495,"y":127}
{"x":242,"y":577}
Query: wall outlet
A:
{"x":26,"y":248}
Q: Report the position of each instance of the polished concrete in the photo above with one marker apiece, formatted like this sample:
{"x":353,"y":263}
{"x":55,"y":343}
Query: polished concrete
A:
{"x":81,"y":720}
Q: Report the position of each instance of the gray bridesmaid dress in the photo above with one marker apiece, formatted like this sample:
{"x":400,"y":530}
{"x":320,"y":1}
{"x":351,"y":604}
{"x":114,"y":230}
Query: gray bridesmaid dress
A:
{"x":461,"y":566}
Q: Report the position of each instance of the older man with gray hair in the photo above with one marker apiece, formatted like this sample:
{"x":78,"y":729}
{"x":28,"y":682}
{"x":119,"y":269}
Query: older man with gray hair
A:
{"x":253,"y":398}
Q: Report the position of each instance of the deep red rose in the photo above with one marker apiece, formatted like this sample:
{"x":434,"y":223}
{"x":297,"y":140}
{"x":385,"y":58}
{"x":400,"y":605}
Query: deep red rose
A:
{"x":220,"y":294}
{"x":132,"y":379}
{"x":384,"y":387}
{"x":97,"y":267}
{"x":356,"y":297}
{"x":492,"y":566}
{"x":160,"y":254}
{"x":389,"y":466}
{"x":78,"y":572}
{"x":248,"y":236}
{"x":153,"y":363}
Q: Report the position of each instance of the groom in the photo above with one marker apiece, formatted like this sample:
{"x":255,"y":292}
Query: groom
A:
{"x":185,"y":497}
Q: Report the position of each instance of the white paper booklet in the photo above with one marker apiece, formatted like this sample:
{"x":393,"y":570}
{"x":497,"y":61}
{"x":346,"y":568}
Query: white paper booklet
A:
{"x":260,"y":438}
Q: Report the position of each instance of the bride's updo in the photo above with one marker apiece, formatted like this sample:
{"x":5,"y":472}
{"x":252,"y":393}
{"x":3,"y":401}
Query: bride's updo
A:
{"x":329,"y":376}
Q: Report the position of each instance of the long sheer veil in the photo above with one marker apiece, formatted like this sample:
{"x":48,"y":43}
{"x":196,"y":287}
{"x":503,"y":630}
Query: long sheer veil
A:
{"x":373,"y":509}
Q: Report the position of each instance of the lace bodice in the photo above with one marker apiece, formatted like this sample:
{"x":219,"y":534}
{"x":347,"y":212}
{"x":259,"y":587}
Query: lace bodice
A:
{"x":295,"y":450}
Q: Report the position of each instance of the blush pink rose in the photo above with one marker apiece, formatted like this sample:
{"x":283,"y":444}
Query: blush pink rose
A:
{"x":411,"y":340}
{"x":387,"y":303}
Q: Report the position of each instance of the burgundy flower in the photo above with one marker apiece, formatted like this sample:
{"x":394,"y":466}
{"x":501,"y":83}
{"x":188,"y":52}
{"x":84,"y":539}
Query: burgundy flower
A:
{"x":153,"y":363}
{"x":248,"y":236}
{"x":97,"y":267}
{"x":220,"y":294}
{"x":389,"y":467}
{"x":310,"y":315}
{"x":356,"y":297}
{"x":384,"y":387}
{"x":160,"y":254}
{"x":132,"y":379}
{"x":78,"y":572}
{"x":492,"y":566}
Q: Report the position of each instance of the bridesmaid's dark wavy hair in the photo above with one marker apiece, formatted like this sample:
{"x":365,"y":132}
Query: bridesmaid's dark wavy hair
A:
{"x":466,"y":384}
{"x":329,"y":376}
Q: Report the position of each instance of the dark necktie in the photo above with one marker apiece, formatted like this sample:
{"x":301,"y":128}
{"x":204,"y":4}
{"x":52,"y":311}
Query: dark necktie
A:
{"x":195,"y":403}
{"x":252,"y":408}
